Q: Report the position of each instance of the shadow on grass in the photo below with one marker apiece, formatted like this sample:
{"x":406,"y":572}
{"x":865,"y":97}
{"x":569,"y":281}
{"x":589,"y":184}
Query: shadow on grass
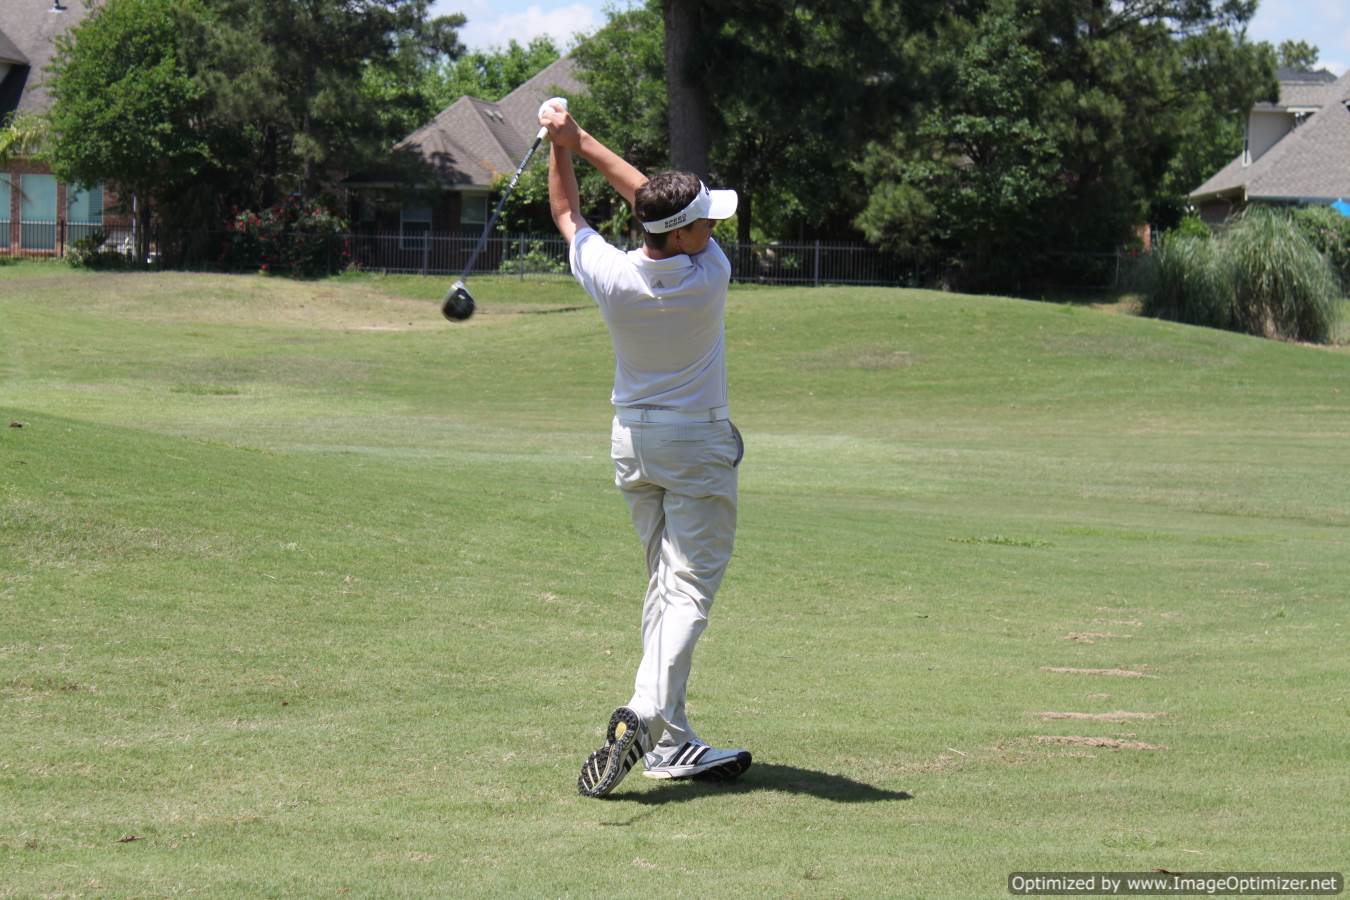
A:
{"x":769,"y":777}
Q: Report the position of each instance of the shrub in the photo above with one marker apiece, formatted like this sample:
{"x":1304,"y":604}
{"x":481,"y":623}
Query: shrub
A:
{"x":291,"y":238}
{"x":1193,"y":226}
{"x":1185,"y":280}
{"x":91,"y":252}
{"x":536,"y":259}
{"x":1329,"y":232}
{"x":1282,"y":286}
{"x":1261,"y":276}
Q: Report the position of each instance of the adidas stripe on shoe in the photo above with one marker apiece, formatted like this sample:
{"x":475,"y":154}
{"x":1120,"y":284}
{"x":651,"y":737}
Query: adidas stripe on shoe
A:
{"x":695,"y":759}
{"x":625,"y":743}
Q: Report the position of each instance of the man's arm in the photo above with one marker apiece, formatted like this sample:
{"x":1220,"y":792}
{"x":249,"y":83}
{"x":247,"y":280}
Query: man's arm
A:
{"x":622,"y":176}
{"x":564,"y":200}
{"x":564,"y":132}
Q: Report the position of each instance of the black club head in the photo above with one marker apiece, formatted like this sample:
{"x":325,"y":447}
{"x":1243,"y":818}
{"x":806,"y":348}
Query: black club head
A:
{"x":458,"y":303}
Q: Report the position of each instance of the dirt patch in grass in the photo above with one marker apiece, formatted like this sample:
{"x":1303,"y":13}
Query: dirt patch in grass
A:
{"x":1112,"y":673}
{"x":1091,"y":637}
{"x":1102,"y":742}
{"x":1119,"y":715}
{"x":941,"y":763}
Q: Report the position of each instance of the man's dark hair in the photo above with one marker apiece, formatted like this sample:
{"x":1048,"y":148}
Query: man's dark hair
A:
{"x":664,"y":195}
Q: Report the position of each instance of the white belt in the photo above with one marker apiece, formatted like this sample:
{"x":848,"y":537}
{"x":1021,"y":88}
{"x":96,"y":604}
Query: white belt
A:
{"x":631,"y":415}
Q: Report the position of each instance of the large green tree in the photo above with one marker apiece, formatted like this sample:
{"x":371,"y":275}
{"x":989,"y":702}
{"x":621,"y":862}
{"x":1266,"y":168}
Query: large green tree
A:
{"x":980,"y":161}
{"x":772,"y":97}
{"x":197,"y":106}
{"x":126,"y":105}
{"x":291,"y":77}
{"x":793,"y":88}
{"x":1055,"y":124}
{"x":1297,"y":54}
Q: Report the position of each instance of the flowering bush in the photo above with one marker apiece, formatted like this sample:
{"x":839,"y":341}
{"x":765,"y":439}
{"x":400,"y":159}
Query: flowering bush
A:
{"x":294,"y":237}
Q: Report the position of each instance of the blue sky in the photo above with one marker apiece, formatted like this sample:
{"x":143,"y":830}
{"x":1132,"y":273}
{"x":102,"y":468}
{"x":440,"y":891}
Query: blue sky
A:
{"x":492,"y":23}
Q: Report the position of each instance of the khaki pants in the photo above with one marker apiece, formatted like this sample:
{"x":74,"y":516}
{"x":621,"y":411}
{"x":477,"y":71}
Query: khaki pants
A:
{"x":680,"y":484}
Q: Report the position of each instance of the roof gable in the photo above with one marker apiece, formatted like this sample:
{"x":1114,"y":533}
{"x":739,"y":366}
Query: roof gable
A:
{"x":10,"y":53}
{"x":1312,"y":162}
{"x":471,"y":142}
{"x":31,"y":28}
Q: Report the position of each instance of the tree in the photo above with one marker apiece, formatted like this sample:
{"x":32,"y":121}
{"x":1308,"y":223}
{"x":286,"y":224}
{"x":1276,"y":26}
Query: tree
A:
{"x":686,"y":22}
{"x":1102,"y":97}
{"x":1222,"y":76}
{"x":293,"y":80}
{"x":200,"y":106}
{"x":490,"y":74}
{"x":1297,"y":55}
{"x":623,"y":68}
{"x":126,"y":106}
{"x":796,"y":88}
{"x":780,"y":94}
{"x":979,"y":164}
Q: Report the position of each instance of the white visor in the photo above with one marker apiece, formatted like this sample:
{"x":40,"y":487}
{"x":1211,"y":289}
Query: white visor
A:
{"x":705,"y":205}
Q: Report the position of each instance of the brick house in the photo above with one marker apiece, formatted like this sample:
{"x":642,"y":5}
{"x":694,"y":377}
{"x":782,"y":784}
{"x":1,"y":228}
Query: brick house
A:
{"x":40,"y":215}
{"x":1296,"y":150}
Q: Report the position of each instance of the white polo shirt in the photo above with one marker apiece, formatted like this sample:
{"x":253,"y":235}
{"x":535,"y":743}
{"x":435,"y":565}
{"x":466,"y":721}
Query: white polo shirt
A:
{"x":666,"y":319}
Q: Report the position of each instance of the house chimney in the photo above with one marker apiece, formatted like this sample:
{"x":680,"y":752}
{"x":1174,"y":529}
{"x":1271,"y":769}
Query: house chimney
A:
{"x":57,"y":7}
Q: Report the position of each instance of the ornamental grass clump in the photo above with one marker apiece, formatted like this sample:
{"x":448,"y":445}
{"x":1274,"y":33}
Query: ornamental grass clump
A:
{"x":1260,"y":276}
{"x":1186,"y":280}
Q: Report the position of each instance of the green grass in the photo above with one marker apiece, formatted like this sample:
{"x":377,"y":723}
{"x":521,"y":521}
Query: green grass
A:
{"x":311,"y":592}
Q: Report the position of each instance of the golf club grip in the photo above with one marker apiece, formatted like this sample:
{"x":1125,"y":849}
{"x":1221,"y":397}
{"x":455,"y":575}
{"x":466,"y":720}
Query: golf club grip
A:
{"x":492,"y":219}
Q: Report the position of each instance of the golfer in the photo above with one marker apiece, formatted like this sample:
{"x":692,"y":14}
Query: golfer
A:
{"x":674,"y":448}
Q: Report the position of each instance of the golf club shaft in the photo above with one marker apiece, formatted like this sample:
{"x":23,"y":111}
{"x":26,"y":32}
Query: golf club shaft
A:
{"x":492,"y":219}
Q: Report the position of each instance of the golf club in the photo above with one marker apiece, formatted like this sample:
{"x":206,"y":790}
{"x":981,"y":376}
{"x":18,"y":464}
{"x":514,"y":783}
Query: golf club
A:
{"x":458,"y":303}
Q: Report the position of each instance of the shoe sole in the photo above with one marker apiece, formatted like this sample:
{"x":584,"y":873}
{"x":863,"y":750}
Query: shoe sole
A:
{"x":605,"y":768}
{"x":717,"y":771}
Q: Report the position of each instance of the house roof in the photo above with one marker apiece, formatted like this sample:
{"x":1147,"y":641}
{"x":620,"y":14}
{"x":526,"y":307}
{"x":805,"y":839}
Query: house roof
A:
{"x":30,"y":27}
{"x":471,"y":142}
{"x":1285,"y":74}
{"x":10,"y":53}
{"x":1300,"y":94}
{"x":1312,"y":162}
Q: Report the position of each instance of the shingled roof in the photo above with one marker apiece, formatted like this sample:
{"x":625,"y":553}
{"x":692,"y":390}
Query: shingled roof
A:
{"x":10,"y":53}
{"x":28,"y":32}
{"x":472,"y":141}
{"x":1310,"y":163}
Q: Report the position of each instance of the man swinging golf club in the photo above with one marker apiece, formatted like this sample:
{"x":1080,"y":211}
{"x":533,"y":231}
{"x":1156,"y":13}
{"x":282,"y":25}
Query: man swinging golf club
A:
{"x":674,"y":448}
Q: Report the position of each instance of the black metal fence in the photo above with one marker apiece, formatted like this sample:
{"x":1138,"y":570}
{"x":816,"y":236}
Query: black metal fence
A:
{"x":42,"y":239}
{"x":811,"y":263}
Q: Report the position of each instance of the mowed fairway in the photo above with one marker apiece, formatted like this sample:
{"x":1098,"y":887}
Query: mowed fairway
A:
{"x":305,"y":591}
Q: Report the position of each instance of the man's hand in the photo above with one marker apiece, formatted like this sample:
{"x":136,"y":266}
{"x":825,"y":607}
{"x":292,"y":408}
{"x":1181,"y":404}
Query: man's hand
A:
{"x":563,"y":130}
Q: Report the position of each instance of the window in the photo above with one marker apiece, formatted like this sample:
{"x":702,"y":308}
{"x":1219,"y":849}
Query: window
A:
{"x":414,"y":225}
{"x":84,"y":210}
{"x":5,"y":195}
{"x":37,"y":214}
{"x":473,"y":209}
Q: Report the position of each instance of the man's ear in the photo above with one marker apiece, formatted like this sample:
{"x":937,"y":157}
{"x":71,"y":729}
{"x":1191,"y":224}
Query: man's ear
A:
{"x":678,"y":237}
